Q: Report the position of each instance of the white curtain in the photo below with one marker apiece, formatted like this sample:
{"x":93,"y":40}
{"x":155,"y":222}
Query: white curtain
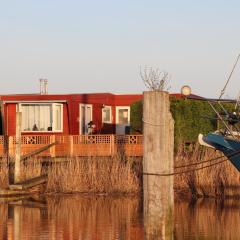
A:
{"x":36,"y":117}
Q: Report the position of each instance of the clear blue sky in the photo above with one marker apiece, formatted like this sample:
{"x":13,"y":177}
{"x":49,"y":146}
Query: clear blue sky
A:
{"x":98,"y":46}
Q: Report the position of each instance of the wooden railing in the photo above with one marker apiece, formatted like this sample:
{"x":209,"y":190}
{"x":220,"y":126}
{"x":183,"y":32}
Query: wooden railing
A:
{"x":76,"y":145}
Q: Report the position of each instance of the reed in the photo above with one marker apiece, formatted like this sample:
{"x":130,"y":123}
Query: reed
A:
{"x":4,"y":173}
{"x":93,"y":175}
{"x":221,"y":180}
{"x":31,"y":168}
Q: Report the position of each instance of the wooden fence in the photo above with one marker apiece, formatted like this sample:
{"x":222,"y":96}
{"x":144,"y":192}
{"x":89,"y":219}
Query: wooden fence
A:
{"x":76,"y":145}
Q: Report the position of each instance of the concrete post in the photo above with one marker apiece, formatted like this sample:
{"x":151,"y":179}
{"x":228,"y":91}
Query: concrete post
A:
{"x":17,"y":171}
{"x":158,"y":159}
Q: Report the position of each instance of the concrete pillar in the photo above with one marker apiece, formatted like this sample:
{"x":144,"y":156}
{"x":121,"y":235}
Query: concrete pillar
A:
{"x":158,"y":159}
{"x":17,"y":173}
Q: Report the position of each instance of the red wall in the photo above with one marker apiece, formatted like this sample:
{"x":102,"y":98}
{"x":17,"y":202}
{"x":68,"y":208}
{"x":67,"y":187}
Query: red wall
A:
{"x":71,"y":109}
{"x":10,"y":119}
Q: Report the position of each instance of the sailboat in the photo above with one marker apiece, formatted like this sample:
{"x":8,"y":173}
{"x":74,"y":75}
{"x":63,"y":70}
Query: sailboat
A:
{"x":227,"y":139}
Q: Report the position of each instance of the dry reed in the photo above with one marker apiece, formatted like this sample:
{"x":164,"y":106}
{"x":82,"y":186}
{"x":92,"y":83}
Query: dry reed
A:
{"x":31,"y":168}
{"x":93,"y":175}
{"x":4,"y":173}
{"x":221,"y":180}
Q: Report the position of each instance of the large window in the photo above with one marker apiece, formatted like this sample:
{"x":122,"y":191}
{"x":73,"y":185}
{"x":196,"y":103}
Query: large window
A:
{"x":107,"y":114}
{"x":44,"y":117}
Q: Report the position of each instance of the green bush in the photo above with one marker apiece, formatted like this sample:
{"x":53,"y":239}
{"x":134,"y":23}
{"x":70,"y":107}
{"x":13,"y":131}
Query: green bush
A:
{"x":191,"y":118}
{"x":136,"y":117}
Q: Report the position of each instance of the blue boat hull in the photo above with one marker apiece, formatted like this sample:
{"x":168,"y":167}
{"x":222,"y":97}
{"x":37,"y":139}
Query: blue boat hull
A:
{"x":229,"y":147}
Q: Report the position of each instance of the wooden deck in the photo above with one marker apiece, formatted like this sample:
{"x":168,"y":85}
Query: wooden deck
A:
{"x":76,"y":145}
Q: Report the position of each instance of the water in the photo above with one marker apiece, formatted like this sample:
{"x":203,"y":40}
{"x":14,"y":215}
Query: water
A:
{"x":103,"y":217}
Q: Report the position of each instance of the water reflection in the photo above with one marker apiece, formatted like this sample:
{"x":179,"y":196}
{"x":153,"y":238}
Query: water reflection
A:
{"x":158,"y":208}
{"x":104,"y":217}
{"x":207,"y":219}
{"x":73,"y":217}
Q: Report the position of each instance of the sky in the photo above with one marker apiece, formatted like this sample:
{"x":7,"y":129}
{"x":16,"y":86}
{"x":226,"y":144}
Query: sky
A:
{"x":99,"y":46}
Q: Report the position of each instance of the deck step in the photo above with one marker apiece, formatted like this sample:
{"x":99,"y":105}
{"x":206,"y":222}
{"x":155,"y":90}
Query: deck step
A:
{"x":24,"y":185}
{"x":8,"y":193}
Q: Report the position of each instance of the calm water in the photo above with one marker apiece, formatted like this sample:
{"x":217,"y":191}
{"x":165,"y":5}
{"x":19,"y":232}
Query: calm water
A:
{"x":103,"y":218}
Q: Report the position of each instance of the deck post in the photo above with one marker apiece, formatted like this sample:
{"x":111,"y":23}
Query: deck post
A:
{"x":112,"y":145}
{"x":17,"y":169}
{"x":71,"y":145}
{"x":157,"y":160}
{"x":10,"y":146}
{"x":53,"y":149}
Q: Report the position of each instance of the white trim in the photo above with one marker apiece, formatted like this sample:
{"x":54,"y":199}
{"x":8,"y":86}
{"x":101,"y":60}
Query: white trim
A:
{"x":122,"y":107}
{"x":107,"y":107}
{"x":53,"y":116}
{"x":19,"y":108}
{"x":80,"y":118}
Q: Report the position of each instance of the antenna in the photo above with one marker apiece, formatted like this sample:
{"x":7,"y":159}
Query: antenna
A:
{"x":43,"y":86}
{"x":225,"y":86}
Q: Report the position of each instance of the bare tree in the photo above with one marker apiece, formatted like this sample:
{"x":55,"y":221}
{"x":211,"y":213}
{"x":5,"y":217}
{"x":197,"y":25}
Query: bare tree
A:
{"x":154,"y":79}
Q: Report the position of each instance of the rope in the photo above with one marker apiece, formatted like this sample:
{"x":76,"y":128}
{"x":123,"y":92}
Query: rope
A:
{"x":197,"y":163}
{"x":194,"y":169}
{"x":225,"y":86}
{"x":210,"y":160}
{"x":187,"y":171}
{"x":152,"y":124}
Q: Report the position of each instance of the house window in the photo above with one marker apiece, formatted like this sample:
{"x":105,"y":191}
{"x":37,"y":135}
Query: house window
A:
{"x":123,"y":115}
{"x":46,"y":117}
{"x":107,"y":114}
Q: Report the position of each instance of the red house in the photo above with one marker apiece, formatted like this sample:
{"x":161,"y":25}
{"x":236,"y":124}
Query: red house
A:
{"x":67,"y":114}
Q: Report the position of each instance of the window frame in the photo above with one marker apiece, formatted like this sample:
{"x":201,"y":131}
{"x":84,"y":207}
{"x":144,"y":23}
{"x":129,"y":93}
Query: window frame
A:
{"x":110,"y":109}
{"x":53,"y":107}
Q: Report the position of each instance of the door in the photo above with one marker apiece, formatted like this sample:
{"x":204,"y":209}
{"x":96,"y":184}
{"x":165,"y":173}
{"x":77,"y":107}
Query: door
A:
{"x":85,"y":118}
{"x":122,"y":119}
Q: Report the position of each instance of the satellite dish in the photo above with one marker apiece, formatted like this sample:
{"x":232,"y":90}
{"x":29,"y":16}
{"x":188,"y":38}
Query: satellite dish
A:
{"x":186,"y":90}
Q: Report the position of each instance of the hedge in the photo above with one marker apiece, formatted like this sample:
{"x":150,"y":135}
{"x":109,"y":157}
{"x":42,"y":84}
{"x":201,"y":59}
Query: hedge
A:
{"x":191,"y":118}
